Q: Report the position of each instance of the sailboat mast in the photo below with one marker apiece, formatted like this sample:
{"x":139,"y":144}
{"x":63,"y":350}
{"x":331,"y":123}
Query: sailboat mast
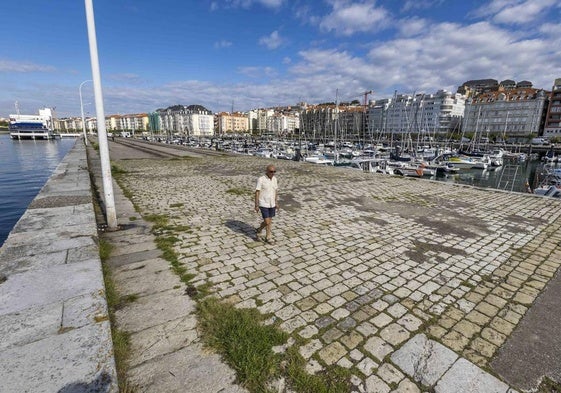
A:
{"x":336,"y":121}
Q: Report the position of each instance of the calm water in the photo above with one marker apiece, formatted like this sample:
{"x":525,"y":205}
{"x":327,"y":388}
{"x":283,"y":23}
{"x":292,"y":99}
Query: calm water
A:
{"x":25,"y":166}
{"x":490,"y":178}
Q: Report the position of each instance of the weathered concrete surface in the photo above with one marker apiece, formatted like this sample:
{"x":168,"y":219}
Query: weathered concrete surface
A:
{"x":424,"y":360}
{"x":166,"y":354}
{"x":534,"y":349}
{"x":363,"y":263}
{"x":53,"y":315}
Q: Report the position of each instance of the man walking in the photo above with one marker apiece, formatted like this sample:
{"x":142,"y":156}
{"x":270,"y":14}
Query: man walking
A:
{"x":266,"y":194}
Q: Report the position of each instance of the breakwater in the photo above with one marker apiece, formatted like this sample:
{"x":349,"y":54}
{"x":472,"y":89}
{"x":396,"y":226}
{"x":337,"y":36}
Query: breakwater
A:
{"x":53,"y":314}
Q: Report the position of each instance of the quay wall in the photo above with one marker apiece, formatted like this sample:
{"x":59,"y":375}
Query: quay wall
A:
{"x":54,"y":320}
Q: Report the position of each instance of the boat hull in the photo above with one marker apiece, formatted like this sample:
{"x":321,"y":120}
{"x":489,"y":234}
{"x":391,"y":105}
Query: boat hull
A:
{"x":32,"y":135}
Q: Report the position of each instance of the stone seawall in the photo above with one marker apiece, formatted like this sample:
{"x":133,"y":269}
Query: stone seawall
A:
{"x":54,"y":321}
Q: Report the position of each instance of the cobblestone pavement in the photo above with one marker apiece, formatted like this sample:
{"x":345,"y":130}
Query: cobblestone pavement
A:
{"x":412,"y":284}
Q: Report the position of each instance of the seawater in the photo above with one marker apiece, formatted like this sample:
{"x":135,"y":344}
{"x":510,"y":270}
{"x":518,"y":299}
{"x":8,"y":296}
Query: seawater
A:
{"x":494,"y":177}
{"x":25,"y":167}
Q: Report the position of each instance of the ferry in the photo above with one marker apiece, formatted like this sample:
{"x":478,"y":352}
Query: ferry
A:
{"x":32,"y":126}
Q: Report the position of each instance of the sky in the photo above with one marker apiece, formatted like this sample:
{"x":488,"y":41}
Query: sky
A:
{"x":248,"y":54}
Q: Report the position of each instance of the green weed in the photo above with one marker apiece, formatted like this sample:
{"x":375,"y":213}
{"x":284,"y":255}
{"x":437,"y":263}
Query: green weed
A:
{"x":243,"y":341}
{"x":240,"y":336}
{"x":120,"y":338}
{"x":239,"y":191}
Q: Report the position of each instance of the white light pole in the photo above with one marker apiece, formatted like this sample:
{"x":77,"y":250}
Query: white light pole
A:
{"x":82,"y":110}
{"x":110,"y":213}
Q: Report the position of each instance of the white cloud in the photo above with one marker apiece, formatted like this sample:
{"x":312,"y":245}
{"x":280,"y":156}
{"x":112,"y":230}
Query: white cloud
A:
{"x":420,"y":4}
{"x":441,"y":57}
{"x":273,"y":4}
{"x":515,"y":12}
{"x":124,"y":77}
{"x":23,"y":67}
{"x":348,"y":18}
{"x":257,"y":72}
{"x":272,"y":41}
{"x":222,"y":44}
{"x":412,"y":26}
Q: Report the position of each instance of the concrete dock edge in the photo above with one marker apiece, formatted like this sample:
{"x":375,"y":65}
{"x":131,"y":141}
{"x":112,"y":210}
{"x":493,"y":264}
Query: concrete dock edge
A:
{"x":54,"y":322}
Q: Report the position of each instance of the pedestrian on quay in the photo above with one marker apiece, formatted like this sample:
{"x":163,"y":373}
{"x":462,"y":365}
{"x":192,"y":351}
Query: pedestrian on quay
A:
{"x":266,"y":202}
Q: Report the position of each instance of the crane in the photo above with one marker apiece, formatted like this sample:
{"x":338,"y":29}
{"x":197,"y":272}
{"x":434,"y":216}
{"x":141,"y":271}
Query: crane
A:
{"x":365,"y":94}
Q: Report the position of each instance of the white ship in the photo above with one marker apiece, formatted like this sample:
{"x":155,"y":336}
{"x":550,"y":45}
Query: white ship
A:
{"x":32,"y":126}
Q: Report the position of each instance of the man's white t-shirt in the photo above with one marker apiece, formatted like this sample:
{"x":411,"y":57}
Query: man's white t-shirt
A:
{"x":267,"y":190}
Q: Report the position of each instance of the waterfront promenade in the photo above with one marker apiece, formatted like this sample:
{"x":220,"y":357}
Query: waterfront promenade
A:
{"x":54,"y":326}
{"x":413,"y":285}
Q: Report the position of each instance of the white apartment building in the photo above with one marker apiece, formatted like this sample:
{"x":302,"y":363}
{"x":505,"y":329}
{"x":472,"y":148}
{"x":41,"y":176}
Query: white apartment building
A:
{"x":514,"y":112}
{"x":258,"y":119}
{"x":437,"y":113}
{"x":377,"y":116}
{"x":192,"y":120}
{"x":282,"y":124}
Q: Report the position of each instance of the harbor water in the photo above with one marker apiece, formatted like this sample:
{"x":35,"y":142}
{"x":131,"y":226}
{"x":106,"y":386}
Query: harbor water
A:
{"x":26,"y":166}
{"x":512,"y":176}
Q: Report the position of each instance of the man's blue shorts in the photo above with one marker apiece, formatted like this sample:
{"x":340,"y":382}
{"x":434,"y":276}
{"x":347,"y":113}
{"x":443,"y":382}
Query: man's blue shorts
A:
{"x":267,"y":212}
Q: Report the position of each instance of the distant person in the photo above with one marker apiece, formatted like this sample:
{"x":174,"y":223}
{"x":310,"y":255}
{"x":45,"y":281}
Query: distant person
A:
{"x":266,"y":201}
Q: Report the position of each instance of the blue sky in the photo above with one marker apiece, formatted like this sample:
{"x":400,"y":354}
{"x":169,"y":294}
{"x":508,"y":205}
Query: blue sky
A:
{"x":260,"y":53}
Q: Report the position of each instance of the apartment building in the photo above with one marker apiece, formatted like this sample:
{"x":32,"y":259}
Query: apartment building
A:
{"x":317,"y":121}
{"x":552,"y":127}
{"x":258,"y":119}
{"x":236,"y":122}
{"x":516,"y":112}
{"x":474,"y":87}
{"x":437,"y":113}
{"x":192,"y":120}
{"x":282,"y":124}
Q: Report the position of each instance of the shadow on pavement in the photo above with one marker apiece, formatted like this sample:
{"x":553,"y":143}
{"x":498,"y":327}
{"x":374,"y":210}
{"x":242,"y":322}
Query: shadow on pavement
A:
{"x":241,"y":227}
{"x":101,"y":384}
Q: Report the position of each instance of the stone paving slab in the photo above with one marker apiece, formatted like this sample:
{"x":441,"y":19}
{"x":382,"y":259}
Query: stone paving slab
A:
{"x":43,"y":287}
{"x":186,"y":370}
{"x":363,"y":263}
{"x":464,"y":376}
{"x":76,"y":361}
{"x":32,"y":324}
{"x":424,"y":360}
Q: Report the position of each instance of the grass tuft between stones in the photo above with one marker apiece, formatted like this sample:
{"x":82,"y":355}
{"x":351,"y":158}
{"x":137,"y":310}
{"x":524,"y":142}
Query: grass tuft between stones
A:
{"x":549,"y":386}
{"x":239,"y":191}
{"x":245,"y":343}
{"x":120,"y":338}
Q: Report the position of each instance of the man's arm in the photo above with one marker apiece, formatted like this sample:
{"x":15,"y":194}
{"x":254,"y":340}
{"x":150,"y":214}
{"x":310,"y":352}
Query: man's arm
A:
{"x":256,"y":200}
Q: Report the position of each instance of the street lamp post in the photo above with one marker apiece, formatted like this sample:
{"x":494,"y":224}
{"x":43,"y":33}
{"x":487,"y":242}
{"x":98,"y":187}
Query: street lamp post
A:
{"x":82,"y":110}
{"x":110,"y":212}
